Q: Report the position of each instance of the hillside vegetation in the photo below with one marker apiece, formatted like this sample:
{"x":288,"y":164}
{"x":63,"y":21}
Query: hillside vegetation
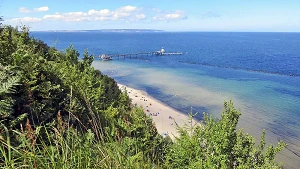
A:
{"x":57,"y":111}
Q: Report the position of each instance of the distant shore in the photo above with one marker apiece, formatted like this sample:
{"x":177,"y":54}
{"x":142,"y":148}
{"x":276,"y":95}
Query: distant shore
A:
{"x":105,"y":30}
{"x":163,"y":116}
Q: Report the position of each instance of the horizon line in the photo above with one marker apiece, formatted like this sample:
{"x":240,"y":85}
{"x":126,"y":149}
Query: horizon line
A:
{"x":160,"y":30}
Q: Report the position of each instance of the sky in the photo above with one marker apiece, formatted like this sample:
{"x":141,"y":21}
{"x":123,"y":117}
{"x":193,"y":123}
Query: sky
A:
{"x":168,"y":15}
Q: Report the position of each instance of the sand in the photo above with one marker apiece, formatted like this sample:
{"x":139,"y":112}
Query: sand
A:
{"x":163,"y":116}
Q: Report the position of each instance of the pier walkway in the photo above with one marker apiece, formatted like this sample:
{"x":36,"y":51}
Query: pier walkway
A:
{"x":136,"y":55}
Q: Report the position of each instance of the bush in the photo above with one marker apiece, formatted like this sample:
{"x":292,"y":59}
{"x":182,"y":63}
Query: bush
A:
{"x":218,"y":144}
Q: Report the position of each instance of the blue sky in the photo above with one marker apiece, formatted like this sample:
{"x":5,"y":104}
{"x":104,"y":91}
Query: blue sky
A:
{"x":169,"y":15}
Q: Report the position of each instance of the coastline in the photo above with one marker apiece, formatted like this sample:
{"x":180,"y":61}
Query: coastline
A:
{"x":163,"y":116}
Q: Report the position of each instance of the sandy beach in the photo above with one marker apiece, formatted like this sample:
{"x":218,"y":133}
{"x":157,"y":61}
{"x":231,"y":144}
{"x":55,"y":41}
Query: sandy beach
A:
{"x":163,"y":116}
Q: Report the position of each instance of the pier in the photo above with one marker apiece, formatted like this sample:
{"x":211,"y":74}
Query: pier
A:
{"x":136,"y":55}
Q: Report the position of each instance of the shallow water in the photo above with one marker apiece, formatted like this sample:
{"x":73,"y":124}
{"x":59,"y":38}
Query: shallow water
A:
{"x":264,"y":104}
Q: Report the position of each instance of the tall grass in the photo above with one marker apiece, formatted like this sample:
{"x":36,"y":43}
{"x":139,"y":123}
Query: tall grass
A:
{"x":64,"y":147}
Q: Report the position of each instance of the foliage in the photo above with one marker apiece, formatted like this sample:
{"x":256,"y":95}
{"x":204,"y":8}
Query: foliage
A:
{"x":47,"y":82}
{"x":53,"y":81}
{"x":68,"y":148}
{"x":9,"y":79}
{"x":218,"y":144}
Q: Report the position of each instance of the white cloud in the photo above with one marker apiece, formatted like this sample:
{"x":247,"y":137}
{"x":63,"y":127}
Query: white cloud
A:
{"x":127,"y":9}
{"x":75,"y":16}
{"x":140,"y":16}
{"x":24,"y":10}
{"x":172,"y":16}
{"x":70,"y":16}
{"x":103,"y":12}
{"x":41,"y":9}
{"x":126,"y":13}
{"x":25,"y":19}
{"x":53,"y":17}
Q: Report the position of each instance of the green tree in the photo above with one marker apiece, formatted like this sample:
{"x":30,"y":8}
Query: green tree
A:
{"x":87,"y":59}
{"x":218,"y":144}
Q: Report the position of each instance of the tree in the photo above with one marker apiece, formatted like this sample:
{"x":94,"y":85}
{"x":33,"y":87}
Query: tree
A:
{"x":87,"y":60}
{"x":218,"y":144}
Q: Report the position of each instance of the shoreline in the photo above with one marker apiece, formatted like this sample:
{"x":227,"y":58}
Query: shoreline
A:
{"x":163,"y":116}
{"x":165,"y":127}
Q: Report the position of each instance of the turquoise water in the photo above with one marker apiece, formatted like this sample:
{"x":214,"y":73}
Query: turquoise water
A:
{"x":260,"y":72}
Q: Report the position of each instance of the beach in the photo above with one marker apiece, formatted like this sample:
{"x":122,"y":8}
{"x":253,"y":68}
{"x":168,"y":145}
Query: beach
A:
{"x":164,"y":117}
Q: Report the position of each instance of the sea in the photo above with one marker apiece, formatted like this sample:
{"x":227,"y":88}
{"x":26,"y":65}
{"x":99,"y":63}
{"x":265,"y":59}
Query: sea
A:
{"x":258,"y":71}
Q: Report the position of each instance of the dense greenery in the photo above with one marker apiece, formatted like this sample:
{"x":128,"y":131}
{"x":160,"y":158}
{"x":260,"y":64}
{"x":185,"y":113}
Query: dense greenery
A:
{"x":57,"y":111}
{"x":218,"y":144}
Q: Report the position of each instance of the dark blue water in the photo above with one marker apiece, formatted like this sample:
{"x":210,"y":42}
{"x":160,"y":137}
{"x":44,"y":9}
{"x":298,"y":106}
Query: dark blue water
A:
{"x":277,"y":53}
{"x":260,"y":72}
